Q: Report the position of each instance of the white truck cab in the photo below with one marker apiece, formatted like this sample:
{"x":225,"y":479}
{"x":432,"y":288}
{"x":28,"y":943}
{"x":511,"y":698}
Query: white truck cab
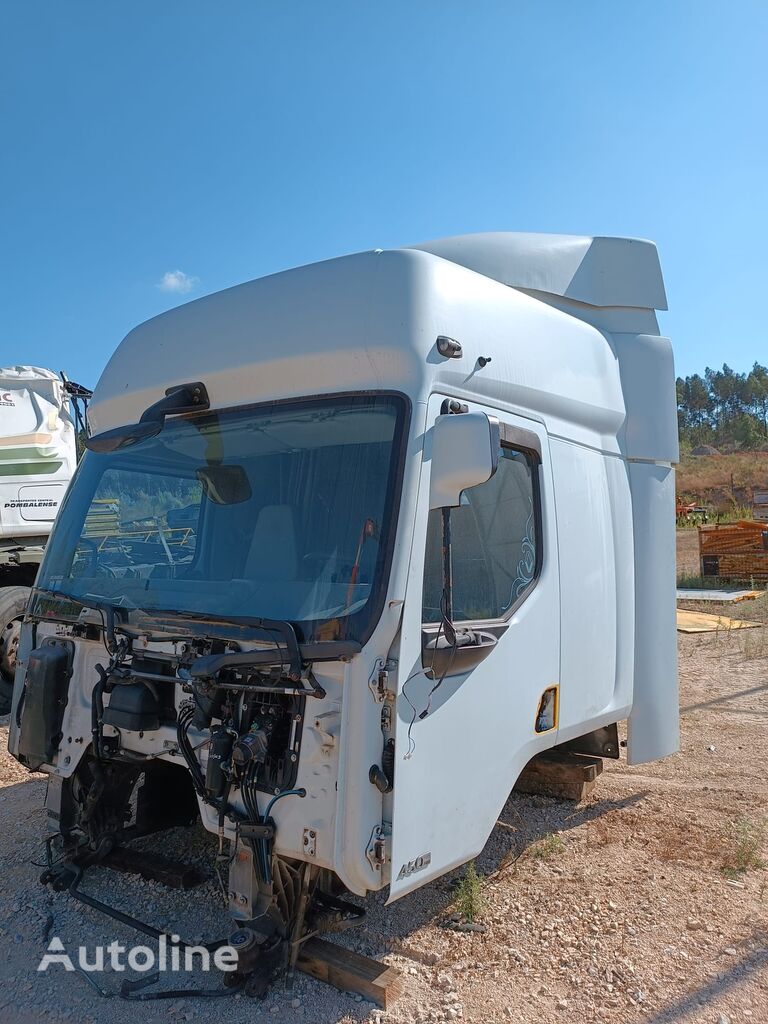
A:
{"x":37,"y":460}
{"x":361,"y":539}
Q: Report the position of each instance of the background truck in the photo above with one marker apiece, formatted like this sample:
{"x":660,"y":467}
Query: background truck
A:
{"x":38,"y":453}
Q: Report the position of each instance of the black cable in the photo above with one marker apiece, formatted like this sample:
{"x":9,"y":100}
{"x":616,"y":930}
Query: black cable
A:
{"x":97,"y":712}
{"x":250,"y":799}
{"x":175,"y":993}
{"x":131,"y":922}
{"x":418,"y":672}
{"x":450,"y":633}
{"x":183,"y":722}
{"x":447,"y":627}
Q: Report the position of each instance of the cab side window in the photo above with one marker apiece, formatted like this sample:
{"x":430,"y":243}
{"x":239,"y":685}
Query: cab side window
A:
{"x":494,"y":543}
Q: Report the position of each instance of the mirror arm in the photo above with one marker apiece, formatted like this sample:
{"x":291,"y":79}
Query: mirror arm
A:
{"x":178,"y":399}
{"x":447,"y":567}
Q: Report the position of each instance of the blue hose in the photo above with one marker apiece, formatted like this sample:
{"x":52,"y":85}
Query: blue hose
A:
{"x":288,"y":792}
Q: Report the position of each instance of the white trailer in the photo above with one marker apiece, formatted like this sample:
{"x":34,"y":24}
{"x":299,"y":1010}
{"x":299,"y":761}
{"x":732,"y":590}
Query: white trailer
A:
{"x":37,"y":460}
{"x":390,"y":525}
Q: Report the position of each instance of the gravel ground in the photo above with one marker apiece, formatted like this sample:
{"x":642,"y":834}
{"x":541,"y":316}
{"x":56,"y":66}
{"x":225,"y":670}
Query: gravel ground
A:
{"x":629,"y":914}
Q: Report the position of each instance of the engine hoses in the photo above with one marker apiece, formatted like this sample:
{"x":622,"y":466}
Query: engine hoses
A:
{"x":183,"y":722}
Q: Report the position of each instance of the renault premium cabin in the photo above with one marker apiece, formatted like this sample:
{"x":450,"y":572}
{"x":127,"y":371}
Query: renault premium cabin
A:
{"x":349,"y":546}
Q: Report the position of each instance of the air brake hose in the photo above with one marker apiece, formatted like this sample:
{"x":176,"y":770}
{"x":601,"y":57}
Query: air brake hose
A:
{"x":288,"y":792}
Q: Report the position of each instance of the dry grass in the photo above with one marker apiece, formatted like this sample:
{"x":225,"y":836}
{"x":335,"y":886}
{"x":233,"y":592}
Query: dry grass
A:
{"x":744,"y":841}
{"x":756,"y":645}
{"x":670,"y":841}
{"x":686,"y":843}
{"x":547,"y":848}
{"x":726,"y":481}
{"x":693,"y":582}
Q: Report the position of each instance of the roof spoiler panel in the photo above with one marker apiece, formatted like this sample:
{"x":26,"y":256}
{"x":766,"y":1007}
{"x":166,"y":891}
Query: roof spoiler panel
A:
{"x":597,"y":270}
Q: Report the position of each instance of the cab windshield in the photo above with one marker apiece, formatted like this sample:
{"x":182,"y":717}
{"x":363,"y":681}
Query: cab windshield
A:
{"x":284,"y":512}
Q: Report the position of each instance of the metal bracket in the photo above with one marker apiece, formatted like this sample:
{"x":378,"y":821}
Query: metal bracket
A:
{"x":243,"y":887}
{"x":603,"y":742}
{"x":310,"y":842}
{"x":378,"y":682}
{"x":326,"y":726}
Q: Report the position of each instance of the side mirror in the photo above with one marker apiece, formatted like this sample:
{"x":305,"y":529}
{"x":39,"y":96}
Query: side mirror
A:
{"x":465,"y":452}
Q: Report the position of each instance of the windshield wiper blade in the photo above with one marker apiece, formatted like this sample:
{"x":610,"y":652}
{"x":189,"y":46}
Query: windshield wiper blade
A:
{"x":99,"y":603}
{"x":106,"y":608}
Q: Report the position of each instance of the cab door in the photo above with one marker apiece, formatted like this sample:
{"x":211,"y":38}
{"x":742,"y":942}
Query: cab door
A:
{"x":468,"y":721}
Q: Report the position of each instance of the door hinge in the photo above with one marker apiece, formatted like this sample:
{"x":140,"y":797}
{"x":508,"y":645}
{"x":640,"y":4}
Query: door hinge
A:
{"x":377,"y":852}
{"x":378,"y":683}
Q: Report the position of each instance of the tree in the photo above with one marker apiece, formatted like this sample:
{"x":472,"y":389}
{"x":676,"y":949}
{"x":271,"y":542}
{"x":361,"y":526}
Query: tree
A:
{"x":698,"y":400}
{"x":756,"y":394}
{"x":726,"y":391}
{"x":723,"y":407}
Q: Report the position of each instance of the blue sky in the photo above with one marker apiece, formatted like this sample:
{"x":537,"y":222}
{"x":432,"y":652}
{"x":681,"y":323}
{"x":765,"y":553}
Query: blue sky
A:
{"x":227,"y":141}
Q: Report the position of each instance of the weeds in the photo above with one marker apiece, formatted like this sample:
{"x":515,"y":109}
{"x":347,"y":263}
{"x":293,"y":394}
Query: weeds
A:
{"x":548,"y":847}
{"x":686,"y":581}
{"x":470,"y":901}
{"x":755,"y":645}
{"x":744,"y":840}
{"x":691,"y":581}
{"x":734,"y":515}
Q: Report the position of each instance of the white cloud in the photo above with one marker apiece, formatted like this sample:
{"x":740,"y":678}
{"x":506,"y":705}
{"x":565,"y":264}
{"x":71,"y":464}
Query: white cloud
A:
{"x":177,"y":281}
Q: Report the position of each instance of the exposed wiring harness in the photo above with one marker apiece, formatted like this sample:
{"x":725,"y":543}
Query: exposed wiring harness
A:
{"x":447,"y":627}
{"x":248,"y":791}
{"x":260,"y":845}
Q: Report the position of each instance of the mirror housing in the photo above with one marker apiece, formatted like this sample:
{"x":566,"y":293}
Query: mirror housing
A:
{"x":179,"y":399}
{"x":465,"y":453}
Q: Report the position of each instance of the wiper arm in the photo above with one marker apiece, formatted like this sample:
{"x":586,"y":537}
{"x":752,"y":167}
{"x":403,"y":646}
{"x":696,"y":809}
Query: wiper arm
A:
{"x":206,"y":668}
{"x":210,"y":664}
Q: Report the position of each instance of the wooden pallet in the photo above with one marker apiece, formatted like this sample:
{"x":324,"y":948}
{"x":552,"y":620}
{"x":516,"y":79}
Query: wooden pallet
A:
{"x":351,"y":972}
{"x":560,"y":774}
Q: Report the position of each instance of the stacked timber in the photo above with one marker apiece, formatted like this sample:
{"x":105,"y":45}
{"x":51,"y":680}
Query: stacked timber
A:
{"x":735,"y":550}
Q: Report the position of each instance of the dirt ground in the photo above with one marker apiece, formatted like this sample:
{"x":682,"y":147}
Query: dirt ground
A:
{"x":688,"y":552}
{"x":648,"y":903}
